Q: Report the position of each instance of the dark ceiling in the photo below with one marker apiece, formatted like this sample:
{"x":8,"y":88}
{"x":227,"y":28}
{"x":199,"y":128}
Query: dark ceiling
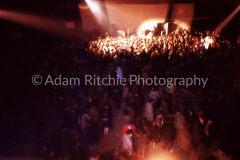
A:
{"x":29,"y":5}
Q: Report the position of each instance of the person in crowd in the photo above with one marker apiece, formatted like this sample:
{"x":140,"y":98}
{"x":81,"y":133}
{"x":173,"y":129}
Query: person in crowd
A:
{"x":131,"y":113}
{"x":106,"y":118}
{"x":99,"y":90}
{"x":128,"y":126}
{"x":168,"y":132}
{"x":141,"y":124}
{"x":176,"y":103}
{"x":116,"y":95}
{"x":126,"y":117}
{"x":209,"y":133}
{"x":125,"y":91}
{"x":127,"y":142}
{"x":144,"y":79}
{"x":160,"y":122}
{"x":141,"y":144}
{"x":91,"y":101}
{"x":189,"y":119}
{"x":74,"y":110}
{"x":139,"y":99}
{"x":106,"y":89}
{"x":170,"y":115}
{"x":94,"y":116}
{"x":165,"y":107}
{"x":154,"y":94}
{"x":149,"y":114}
{"x":161,"y":95}
{"x":170,"y":89}
{"x":197,"y":132}
{"x":66,"y":93}
{"x":153,"y":133}
{"x":88,"y":129}
{"x":179,"y":123}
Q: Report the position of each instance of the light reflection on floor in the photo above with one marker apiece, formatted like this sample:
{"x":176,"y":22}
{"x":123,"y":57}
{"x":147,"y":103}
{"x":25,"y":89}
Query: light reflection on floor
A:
{"x":163,"y":155}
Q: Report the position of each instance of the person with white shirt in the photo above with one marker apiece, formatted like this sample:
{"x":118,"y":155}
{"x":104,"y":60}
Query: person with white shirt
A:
{"x":170,"y":89}
{"x":179,"y":124}
{"x":180,"y":120}
{"x":154,"y":94}
{"x":127,"y":142}
{"x":149,"y":110}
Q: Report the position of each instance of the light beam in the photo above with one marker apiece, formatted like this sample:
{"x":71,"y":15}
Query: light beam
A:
{"x":37,"y":22}
{"x":222,"y":25}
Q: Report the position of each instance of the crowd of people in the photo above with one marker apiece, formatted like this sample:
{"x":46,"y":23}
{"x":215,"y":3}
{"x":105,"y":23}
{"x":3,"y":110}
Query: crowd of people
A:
{"x":161,"y":116}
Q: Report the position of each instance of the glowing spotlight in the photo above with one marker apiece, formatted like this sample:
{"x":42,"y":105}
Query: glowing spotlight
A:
{"x":93,"y":6}
{"x":150,"y":24}
{"x":221,"y":26}
{"x":94,"y":12}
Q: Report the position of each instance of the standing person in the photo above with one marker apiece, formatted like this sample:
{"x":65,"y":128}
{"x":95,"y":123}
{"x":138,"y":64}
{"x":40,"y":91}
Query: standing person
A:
{"x":144,"y":77}
{"x":141,"y":144}
{"x":179,"y":123}
{"x":189,"y":117}
{"x":129,"y":126}
{"x":142,"y":124}
{"x":99,"y":90}
{"x":106,"y":116}
{"x":149,"y":110}
{"x":153,"y":133}
{"x":75,"y":108}
{"x":165,"y":107}
{"x":198,"y":132}
{"x":161,"y":95}
{"x":131,"y":113}
{"x":168,"y":132}
{"x":154,"y":94}
{"x":209,"y":134}
{"x":106,"y":90}
{"x":94,"y":115}
{"x":139,"y":99}
{"x":127,"y":143}
{"x":125,"y":91}
{"x":170,"y":89}
{"x":117,"y":96}
{"x":160,"y":121}
{"x":91,"y":101}
{"x":88,"y":129}
{"x":119,"y":72}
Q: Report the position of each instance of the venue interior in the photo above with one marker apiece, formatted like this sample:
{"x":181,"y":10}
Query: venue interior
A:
{"x":120,"y":79}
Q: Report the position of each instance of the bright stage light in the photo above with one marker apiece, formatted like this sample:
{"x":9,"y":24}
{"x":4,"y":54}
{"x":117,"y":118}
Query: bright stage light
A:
{"x":93,"y":6}
{"x":150,"y":24}
{"x":94,"y":10}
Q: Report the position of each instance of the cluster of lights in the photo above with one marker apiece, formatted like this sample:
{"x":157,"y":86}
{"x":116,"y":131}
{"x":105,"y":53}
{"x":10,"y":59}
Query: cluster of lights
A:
{"x":208,"y":41}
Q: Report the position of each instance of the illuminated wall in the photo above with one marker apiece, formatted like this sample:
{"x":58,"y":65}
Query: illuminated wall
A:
{"x":136,"y":16}
{"x":93,"y":15}
{"x":133,"y":15}
{"x":182,"y":14}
